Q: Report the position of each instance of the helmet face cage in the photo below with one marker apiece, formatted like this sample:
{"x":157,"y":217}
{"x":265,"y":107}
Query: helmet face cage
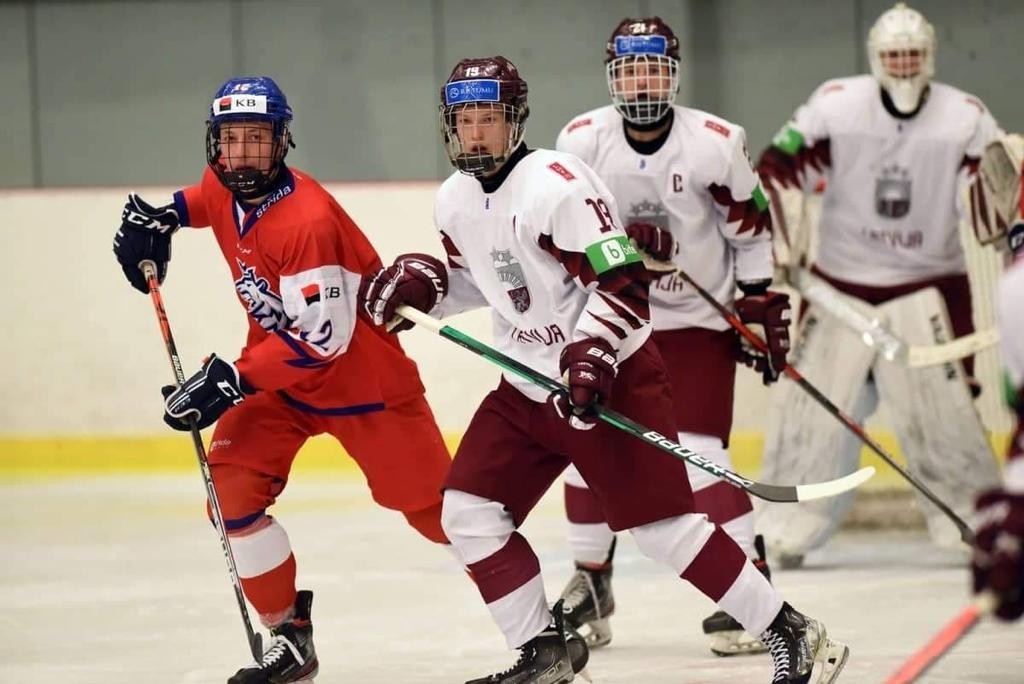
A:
{"x":901,"y":51}
{"x":251,"y":146}
{"x":643,"y":86}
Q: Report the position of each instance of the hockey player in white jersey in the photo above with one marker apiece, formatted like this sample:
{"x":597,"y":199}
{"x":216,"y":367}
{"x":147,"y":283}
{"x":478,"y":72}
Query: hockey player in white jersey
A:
{"x":688,"y":196}
{"x":895,"y":150}
{"x":997,"y":203}
{"x":534,"y":235}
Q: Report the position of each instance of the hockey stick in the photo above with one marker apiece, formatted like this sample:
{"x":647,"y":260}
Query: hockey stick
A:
{"x":947,"y":637}
{"x":875,"y":334}
{"x":966,"y":534}
{"x":254,"y":638}
{"x":768,"y":492}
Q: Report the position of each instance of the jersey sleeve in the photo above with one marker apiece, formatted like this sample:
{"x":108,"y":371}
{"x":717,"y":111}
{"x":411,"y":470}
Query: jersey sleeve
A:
{"x":800,"y":153}
{"x":1010,"y":309}
{"x":319,"y":299}
{"x":190,"y":203}
{"x":744,"y":219}
{"x":578,"y":138}
{"x":463,"y":292}
{"x":581,"y":234}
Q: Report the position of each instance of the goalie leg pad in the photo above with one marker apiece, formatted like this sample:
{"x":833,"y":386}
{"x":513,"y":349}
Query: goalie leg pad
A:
{"x":805,"y":444}
{"x":934,"y":416}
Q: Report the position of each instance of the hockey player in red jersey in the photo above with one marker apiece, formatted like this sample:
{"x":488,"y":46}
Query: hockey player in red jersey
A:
{"x":997,"y":199}
{"x":534,"y":235}
{"x":689,"y":198}
{"x":310,"y":365}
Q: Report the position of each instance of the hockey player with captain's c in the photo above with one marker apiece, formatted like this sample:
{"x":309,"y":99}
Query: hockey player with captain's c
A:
{"x":895,"y":151}
{"x":533,"y":234}
{"x":310,"y":364}
{"x":688,"y":198}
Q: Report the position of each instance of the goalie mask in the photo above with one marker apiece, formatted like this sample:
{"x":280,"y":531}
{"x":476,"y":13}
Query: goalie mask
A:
{"x":642,"y":68}
{"x":482,"y":114}
{"x":901,"y":51}
{"x":247,"y":135}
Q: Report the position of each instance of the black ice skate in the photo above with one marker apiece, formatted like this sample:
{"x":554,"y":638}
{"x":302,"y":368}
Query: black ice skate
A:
{"x":588,"y":603}
{"x":797,"y":644}
{"x":554,"y":656}
{"x":290,"y":656}
{"x":728,"y":637}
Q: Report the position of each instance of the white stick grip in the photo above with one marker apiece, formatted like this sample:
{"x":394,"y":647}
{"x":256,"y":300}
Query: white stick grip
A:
{"x":420,"y":318}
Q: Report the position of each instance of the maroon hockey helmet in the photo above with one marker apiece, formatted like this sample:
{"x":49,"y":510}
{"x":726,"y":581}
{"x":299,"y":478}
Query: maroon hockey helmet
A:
{"x":485,"y":83}
{"x":642,"y":66}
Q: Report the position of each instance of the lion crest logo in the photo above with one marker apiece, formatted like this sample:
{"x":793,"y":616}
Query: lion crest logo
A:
{"x":262,"y":303}
{"x":510,"y":273}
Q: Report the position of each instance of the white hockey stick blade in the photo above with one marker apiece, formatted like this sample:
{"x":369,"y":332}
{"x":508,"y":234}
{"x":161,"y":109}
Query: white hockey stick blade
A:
{"x":824,"y":490}
{"x":936,"y":355}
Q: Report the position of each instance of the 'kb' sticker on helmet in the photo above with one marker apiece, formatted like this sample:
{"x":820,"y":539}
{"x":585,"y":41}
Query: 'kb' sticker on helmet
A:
{"x":640,"y":45}
{"x":478,"y":90}
{"x":240,"y":104}
{"x":611,"y":253}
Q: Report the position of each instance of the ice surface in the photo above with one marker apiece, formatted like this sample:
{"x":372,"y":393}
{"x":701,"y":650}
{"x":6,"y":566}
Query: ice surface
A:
{"x":121,"y":579}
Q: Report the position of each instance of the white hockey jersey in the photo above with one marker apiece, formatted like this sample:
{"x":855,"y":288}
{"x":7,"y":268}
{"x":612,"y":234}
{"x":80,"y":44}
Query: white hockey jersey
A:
{"x":891,"y":205}
{"x":545,"y":252}
{"x":1011,"y":340}
{"x":701,"y":187}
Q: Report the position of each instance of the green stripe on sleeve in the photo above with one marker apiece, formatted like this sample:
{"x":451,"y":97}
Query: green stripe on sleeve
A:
{"x":789,"y":140}
{"x":611,"y":253}
{"x":760,"y":201}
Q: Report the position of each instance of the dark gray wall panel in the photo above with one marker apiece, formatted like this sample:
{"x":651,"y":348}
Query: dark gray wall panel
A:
{"x":15,"y":97}
{"x":360,"y":78}
{"x":124,"y":88}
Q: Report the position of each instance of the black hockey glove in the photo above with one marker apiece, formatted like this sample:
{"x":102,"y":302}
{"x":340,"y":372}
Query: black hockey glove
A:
{"x":145,"y":234}
{"x":206,"y":395}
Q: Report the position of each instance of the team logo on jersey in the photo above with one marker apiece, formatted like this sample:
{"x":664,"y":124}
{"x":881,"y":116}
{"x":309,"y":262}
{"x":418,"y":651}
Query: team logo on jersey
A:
{"x":650,"y":212}
{"x":263,"y":304}
{"x":892,"y":192}
{"x":510,"y":273}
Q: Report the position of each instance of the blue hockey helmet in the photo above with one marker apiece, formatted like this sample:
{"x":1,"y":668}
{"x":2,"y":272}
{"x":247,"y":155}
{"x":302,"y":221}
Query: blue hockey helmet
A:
{"x":249,"y":99}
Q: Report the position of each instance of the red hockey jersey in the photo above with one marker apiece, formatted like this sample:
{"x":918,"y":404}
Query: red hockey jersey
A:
{"x":296,"y":260}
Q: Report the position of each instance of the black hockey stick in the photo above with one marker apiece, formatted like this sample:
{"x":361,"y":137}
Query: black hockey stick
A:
{"x":254,"y":638}
{"x":768,"y":492}
{"x":966,"y":534}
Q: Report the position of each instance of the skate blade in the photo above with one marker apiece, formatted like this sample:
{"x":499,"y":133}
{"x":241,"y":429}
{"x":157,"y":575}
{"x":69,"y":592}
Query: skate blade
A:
{"x":832,"y":657}
{"x":599,"y":633}
{"x":734,"y":643}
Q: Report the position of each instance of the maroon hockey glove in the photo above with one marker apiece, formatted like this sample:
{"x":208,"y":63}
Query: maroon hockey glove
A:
{"x":998,"y":562}
{"x":767,"y":315}
{"x":588,"y":367}
{"x":656,"y":242}
{"x":418,"y":280}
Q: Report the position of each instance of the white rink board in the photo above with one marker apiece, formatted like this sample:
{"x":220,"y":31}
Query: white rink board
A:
{"x":120,"y":580}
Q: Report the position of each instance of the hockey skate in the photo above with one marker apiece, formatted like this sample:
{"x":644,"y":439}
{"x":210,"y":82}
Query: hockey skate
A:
{"x":798,"y":644}
{"x":727,"y":635}
{"x":290,"y":656}
{"x":555,"y":656}
{"x":588,"y":603}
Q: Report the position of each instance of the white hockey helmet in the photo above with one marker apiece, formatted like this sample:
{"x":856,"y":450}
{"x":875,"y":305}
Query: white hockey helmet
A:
{"x":901,"y":51}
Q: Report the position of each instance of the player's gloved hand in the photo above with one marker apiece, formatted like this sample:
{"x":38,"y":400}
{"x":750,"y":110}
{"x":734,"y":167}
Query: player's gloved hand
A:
{"x":418,"y":280}
{"x":145,"y":234}
{"x":767,"y":315}
{"x":588,"y":368}
{"x":206,"y":395}
{"x":656,"y":244}
{"x":998,"y":563}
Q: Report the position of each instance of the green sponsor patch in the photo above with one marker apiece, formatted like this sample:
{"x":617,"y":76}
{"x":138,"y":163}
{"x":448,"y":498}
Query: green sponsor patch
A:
{"x":789,"y":140}
{"x":760,"y":201}
{"x":611,"y":253}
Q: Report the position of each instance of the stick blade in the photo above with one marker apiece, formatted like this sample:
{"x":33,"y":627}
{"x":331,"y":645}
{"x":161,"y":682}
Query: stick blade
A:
{"x":824,"y":490}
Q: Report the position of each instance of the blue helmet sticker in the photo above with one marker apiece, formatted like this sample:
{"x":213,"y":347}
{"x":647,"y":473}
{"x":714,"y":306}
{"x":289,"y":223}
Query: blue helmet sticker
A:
{"x":478,"y":90}
{"x":641,"y":45}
